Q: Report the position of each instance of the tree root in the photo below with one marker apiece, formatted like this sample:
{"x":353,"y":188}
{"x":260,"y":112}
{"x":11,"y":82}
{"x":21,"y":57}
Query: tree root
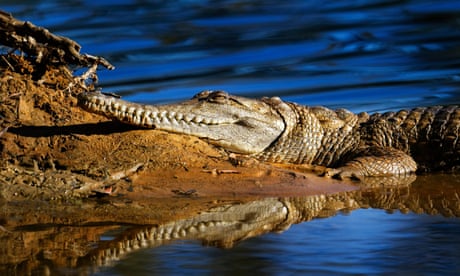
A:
{"x":45,"y":47}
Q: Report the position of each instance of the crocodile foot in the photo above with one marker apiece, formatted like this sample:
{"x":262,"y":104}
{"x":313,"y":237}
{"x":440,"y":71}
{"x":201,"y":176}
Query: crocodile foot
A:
{"x":375,"y":162}
{"x":343,"y":173}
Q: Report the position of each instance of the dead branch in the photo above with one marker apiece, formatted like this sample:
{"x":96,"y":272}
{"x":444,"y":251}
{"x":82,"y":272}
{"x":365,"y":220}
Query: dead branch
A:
{"x":46,"y":47}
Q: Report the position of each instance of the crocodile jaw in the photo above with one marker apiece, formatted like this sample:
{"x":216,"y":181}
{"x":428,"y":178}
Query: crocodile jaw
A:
{"x":238,"y":124}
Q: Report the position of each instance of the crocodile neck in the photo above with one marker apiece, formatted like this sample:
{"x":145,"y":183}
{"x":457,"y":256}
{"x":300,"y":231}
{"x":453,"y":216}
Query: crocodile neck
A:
{"x":313,"y":135}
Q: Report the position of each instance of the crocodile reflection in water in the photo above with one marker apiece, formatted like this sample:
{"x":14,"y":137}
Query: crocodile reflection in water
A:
{"x":223,"y":226}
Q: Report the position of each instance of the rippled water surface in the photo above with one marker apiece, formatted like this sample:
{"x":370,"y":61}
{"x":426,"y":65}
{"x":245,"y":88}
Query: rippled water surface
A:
{"x":369,"y":55}
{"x":361,"y":55}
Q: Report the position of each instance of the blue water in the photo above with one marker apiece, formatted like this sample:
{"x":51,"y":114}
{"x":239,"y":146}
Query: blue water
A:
{"x":365,"y":56}
{"x":360,"y":55}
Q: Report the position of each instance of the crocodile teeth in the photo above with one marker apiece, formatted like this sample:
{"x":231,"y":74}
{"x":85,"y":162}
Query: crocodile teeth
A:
{"x":188,"y":117}
{"x":171,"y":115}
{"x":179,"y":116}
{"x":115,"y":105}
{"x":192,"y":230}
{"x":164,"y":120}
{"x":131,"y":110}
{"x":145,"y":119}
{"x":147,"y":113}
{"x":201,"y":227}
{"x":197,"y":119}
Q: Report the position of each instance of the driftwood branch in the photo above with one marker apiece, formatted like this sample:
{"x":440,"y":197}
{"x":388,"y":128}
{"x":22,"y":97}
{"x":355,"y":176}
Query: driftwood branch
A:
{"x":46,"y":47}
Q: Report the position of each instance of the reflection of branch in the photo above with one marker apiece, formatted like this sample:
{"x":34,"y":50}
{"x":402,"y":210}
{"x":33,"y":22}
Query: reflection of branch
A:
{"x":43,"y":45}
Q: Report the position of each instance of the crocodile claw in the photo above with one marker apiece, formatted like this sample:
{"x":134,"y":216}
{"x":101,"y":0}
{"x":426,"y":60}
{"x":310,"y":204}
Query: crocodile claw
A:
{"x":342,"y":173}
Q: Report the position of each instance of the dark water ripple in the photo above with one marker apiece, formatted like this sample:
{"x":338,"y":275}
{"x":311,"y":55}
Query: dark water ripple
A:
{"x":369,"y":55}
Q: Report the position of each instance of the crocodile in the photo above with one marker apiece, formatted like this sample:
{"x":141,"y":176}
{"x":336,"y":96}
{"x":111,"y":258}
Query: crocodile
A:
{"x":272,"y":130}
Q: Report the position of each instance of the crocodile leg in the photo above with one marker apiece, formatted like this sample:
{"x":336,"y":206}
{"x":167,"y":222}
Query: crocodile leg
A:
{"x":375,"y":161}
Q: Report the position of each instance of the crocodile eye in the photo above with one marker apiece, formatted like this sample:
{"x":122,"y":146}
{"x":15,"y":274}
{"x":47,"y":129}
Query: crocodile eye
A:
{"x":202,"y":95}
{"x":218,"y":97}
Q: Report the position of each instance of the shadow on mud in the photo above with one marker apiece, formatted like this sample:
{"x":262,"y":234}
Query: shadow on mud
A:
{"x":84,"y":129}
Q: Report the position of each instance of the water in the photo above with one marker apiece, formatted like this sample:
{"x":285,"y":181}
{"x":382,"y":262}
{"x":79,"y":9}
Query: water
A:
{"x":364,"y":56}
{"x":366,"y":242}
{"x":403,"y":230}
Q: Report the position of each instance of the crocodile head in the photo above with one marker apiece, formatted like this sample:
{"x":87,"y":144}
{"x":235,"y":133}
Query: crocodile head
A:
{"x":238,"y":124}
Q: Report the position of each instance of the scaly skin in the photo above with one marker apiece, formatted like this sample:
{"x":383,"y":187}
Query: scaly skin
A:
{"x":282,"y":132}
